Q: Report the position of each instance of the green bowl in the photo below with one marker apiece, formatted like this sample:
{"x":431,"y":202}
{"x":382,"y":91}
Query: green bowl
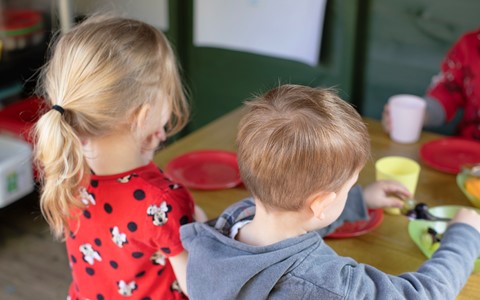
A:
{"x":461,"y":177}
{"x":417,"y":228}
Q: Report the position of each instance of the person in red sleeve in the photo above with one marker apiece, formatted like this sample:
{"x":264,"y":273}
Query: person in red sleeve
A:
{"x":457,"y":87}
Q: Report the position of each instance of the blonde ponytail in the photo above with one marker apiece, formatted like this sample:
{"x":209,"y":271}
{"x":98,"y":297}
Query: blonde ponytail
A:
{"x":63,"y":169}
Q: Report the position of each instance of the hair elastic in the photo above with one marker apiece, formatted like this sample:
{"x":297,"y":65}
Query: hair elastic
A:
{"x":58,"y":108}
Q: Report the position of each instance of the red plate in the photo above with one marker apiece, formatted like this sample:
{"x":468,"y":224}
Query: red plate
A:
{"x":205,"y":170}
{"x":449,"y":154}
{"x":351,"y":229}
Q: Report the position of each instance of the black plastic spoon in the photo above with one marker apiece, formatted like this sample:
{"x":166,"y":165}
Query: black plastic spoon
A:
{"x":420,"y":212}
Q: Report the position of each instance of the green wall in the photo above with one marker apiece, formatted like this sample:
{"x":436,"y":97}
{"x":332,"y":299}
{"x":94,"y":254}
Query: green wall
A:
{"x":221,"y":80}
{"x":404,"y":43}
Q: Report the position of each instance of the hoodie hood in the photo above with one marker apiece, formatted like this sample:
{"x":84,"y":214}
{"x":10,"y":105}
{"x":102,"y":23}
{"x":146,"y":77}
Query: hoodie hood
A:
{"x":254,"y":270}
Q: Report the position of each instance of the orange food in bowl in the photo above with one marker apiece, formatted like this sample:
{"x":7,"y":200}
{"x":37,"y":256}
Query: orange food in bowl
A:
{"x":472,"y":185}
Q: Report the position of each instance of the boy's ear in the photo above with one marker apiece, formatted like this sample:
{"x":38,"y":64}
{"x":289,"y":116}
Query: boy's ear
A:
{"x":320,"y":202}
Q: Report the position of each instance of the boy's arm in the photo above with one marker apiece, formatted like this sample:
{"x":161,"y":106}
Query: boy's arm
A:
{"x":179,"y":265}
{"x":440,"y":277}
{"x":354,"y":210}
{"x":355,"y":207}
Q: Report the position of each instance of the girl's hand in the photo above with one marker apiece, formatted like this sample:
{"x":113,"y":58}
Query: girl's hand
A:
{"x":386,"y":120}
{"x":385,"y":193}
{"x":199,"y":215}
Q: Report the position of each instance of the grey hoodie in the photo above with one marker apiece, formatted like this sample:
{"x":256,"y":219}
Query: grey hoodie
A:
{"x":305,"y":267}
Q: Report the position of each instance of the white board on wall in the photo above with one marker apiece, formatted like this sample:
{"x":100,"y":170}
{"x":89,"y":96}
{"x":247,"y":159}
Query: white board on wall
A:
{"x":154,"y":12}
{"x":290,"y":29}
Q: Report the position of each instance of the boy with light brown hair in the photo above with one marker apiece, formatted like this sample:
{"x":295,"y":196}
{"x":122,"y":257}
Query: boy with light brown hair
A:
{"x":300,"y":151}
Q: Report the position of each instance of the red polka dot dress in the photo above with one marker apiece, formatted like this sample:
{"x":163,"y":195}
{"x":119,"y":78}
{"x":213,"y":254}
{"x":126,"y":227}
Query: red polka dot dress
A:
{"x":119,"y":245}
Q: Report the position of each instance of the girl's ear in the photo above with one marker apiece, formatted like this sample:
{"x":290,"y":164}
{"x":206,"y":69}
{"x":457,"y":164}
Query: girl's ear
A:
{"x":320,"y":202}
{"x":140,"y":116}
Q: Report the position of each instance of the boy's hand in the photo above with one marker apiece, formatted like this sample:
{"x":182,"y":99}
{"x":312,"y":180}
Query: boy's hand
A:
{"x":385,"y":193}
{"x":467,"y":216}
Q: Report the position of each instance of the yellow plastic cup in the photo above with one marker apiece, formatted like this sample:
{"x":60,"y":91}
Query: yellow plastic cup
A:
{"x":401,"y":169}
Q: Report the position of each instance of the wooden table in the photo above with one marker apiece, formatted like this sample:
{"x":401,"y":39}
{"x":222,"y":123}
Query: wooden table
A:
{"x":388,"y":248}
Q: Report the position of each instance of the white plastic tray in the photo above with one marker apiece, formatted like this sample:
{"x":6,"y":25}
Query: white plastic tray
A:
{"x":16,"y":178}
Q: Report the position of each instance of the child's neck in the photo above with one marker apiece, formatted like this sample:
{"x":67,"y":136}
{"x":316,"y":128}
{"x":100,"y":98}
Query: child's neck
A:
{"x":113,"y":154}
{"x":271,"y":227}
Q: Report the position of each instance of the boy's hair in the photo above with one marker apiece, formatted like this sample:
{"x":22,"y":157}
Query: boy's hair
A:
{"x":101,"y":73}
{"x":295,"y":140}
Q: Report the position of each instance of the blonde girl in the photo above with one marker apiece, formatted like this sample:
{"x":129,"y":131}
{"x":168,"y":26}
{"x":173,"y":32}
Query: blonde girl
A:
{"x":115,"y":94}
